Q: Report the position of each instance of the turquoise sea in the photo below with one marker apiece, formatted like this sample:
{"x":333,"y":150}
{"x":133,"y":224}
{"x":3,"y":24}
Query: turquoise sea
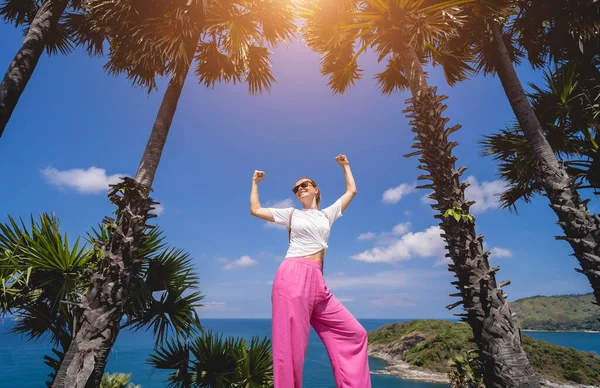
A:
{"x":22,"y":365}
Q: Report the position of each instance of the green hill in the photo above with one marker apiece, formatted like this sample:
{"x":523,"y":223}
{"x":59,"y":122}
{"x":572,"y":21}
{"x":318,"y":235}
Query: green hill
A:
{"x":430,"y":344}
{"x":557,"y":313}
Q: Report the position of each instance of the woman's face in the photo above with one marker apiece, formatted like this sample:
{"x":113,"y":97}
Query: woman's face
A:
{"x":306,"y":190}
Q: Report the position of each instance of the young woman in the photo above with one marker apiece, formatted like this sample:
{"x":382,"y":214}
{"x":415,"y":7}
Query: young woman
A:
{"x":300,"y":296}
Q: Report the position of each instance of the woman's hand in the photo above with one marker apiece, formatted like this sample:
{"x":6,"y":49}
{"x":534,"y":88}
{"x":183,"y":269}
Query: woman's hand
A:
{"x":258,"y":176}
{"x":342,"y":160}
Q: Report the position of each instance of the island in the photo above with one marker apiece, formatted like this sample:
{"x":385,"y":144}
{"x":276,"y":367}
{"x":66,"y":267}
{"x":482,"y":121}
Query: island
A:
{"x":558,"y":313}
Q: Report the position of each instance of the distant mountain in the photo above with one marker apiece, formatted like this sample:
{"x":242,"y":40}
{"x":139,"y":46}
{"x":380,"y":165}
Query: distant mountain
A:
{"x":558,"y":313}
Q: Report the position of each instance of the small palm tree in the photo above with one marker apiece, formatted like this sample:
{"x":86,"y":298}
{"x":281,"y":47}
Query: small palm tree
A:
{"x":213,"y":362}
{"x":117,"y":380}
{"x":43,"y":278}
{"x":52,"y":25}
{"x":406,"y":34}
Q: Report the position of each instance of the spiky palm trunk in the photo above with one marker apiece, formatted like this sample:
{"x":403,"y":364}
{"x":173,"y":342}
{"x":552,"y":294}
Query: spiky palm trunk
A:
{"x":21,"y":68}
{"x":488,"y":313}
{"x":84,"y":362}
{"x":581,"y":229}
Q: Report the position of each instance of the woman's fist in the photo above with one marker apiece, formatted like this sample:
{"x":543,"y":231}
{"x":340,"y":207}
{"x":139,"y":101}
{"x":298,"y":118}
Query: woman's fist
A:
{"x":342,"y":160}
{"x":258,"y":176}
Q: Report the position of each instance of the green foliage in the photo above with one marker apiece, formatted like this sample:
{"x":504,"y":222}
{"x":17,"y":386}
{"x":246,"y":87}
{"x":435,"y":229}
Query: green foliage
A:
{"x":456,"y":212}
{"x":558,"y":313}
{"x":340,"y":31}
{"x":117,"y":380}
{"x":225,"y":41}
{"x":215,"y":362}
{"x":565,"y":109}
{"x":442,"y":341}
{"x":42,"y":276}
{"x":466,"y":371}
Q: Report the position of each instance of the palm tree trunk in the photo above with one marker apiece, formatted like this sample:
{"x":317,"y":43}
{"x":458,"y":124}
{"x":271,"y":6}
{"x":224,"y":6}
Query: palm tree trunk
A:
{"x":21,"y":68}
{"x":160,"y":130}
{"x":84,"y":363}
{"x":581,"y":229}
{"x":488,"y":313}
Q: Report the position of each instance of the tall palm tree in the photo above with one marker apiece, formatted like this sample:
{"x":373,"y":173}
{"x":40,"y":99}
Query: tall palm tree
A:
{"x":568,"y":116}
{"x":51,"y":27}
{"x":42,"y":276}
{"x":211,"y":361}
{"x":229,"y":41}
{"x":406,"y":34}
{"x":485,"y":34}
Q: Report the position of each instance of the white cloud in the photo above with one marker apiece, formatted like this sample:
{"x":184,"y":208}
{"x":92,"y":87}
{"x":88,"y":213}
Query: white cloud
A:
{"x":366,"y":236}
{"x":394,"y":195}
{"x":500,"y":252}
{"x":348,"y":299}
{"x":91,"y":181}
{"x":272,"y":225}
{"x":425,"y":200}
{"x":158,"y":209}
{"x":401,"y":228}
{"x":425,"y":244}
{"x":288,"y":202}
{"x":242,"y":262}
{"x":486,"y":195}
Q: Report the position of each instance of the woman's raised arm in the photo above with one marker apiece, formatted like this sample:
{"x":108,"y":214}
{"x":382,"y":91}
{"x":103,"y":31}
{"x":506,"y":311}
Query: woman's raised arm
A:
{"x":255,"y":208}
{"x":350,"y":184}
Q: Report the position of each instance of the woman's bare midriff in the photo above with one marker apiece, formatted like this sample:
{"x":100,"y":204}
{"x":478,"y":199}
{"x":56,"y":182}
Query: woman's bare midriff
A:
{"x":319,"y":256}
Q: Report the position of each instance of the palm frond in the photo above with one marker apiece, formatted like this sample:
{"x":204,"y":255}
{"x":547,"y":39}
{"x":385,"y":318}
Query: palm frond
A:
{"x":18,"y":12}
{"x":82,"y":32}
{"x":59,"y":40}
{"x":259,"y":76}
{"x":174,"y":355}
{"x":215,"y":360}
{"x":455,"y":64}
{"x":276,"y":18}
{"x":392,"y":78}
{"x":214,"y":66}
{"x":255,"y":368}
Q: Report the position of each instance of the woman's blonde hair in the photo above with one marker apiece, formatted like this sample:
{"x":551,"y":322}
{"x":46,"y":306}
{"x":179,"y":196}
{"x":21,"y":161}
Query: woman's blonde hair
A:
{"x":315,"y":186}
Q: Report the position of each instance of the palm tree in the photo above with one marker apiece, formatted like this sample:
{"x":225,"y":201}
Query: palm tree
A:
{"x":228,"y":40}
{"x":485,"y":35}
{"x":568,"y":116}
{"x":560,"y":31}
{"x":117,"y":380}
{"x":49,"y":27}
{"x":43,"y":276}
{"x":406,"y":34}
{"x":211,"y":361}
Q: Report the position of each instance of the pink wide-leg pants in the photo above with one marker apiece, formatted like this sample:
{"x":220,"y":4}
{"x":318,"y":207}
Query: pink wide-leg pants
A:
{"x":301,"y":298}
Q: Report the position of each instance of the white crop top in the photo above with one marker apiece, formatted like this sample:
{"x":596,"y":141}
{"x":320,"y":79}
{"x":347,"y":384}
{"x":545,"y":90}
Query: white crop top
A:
{"x":310,"y":228}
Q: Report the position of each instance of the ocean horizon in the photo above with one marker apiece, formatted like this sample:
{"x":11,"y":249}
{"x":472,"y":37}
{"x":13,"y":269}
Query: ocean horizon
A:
{"x":23,"y":365}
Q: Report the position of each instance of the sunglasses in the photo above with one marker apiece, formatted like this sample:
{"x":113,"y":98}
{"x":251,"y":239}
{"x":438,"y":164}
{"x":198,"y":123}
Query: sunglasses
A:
{"x":304,"y":185}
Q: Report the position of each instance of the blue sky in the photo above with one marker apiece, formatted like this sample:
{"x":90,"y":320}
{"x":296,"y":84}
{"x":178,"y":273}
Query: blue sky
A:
{"x":76,"y":129}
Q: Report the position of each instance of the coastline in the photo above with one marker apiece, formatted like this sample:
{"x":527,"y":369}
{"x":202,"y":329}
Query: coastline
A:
{"x":398,"y":367}
{"x":403,"y":369}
